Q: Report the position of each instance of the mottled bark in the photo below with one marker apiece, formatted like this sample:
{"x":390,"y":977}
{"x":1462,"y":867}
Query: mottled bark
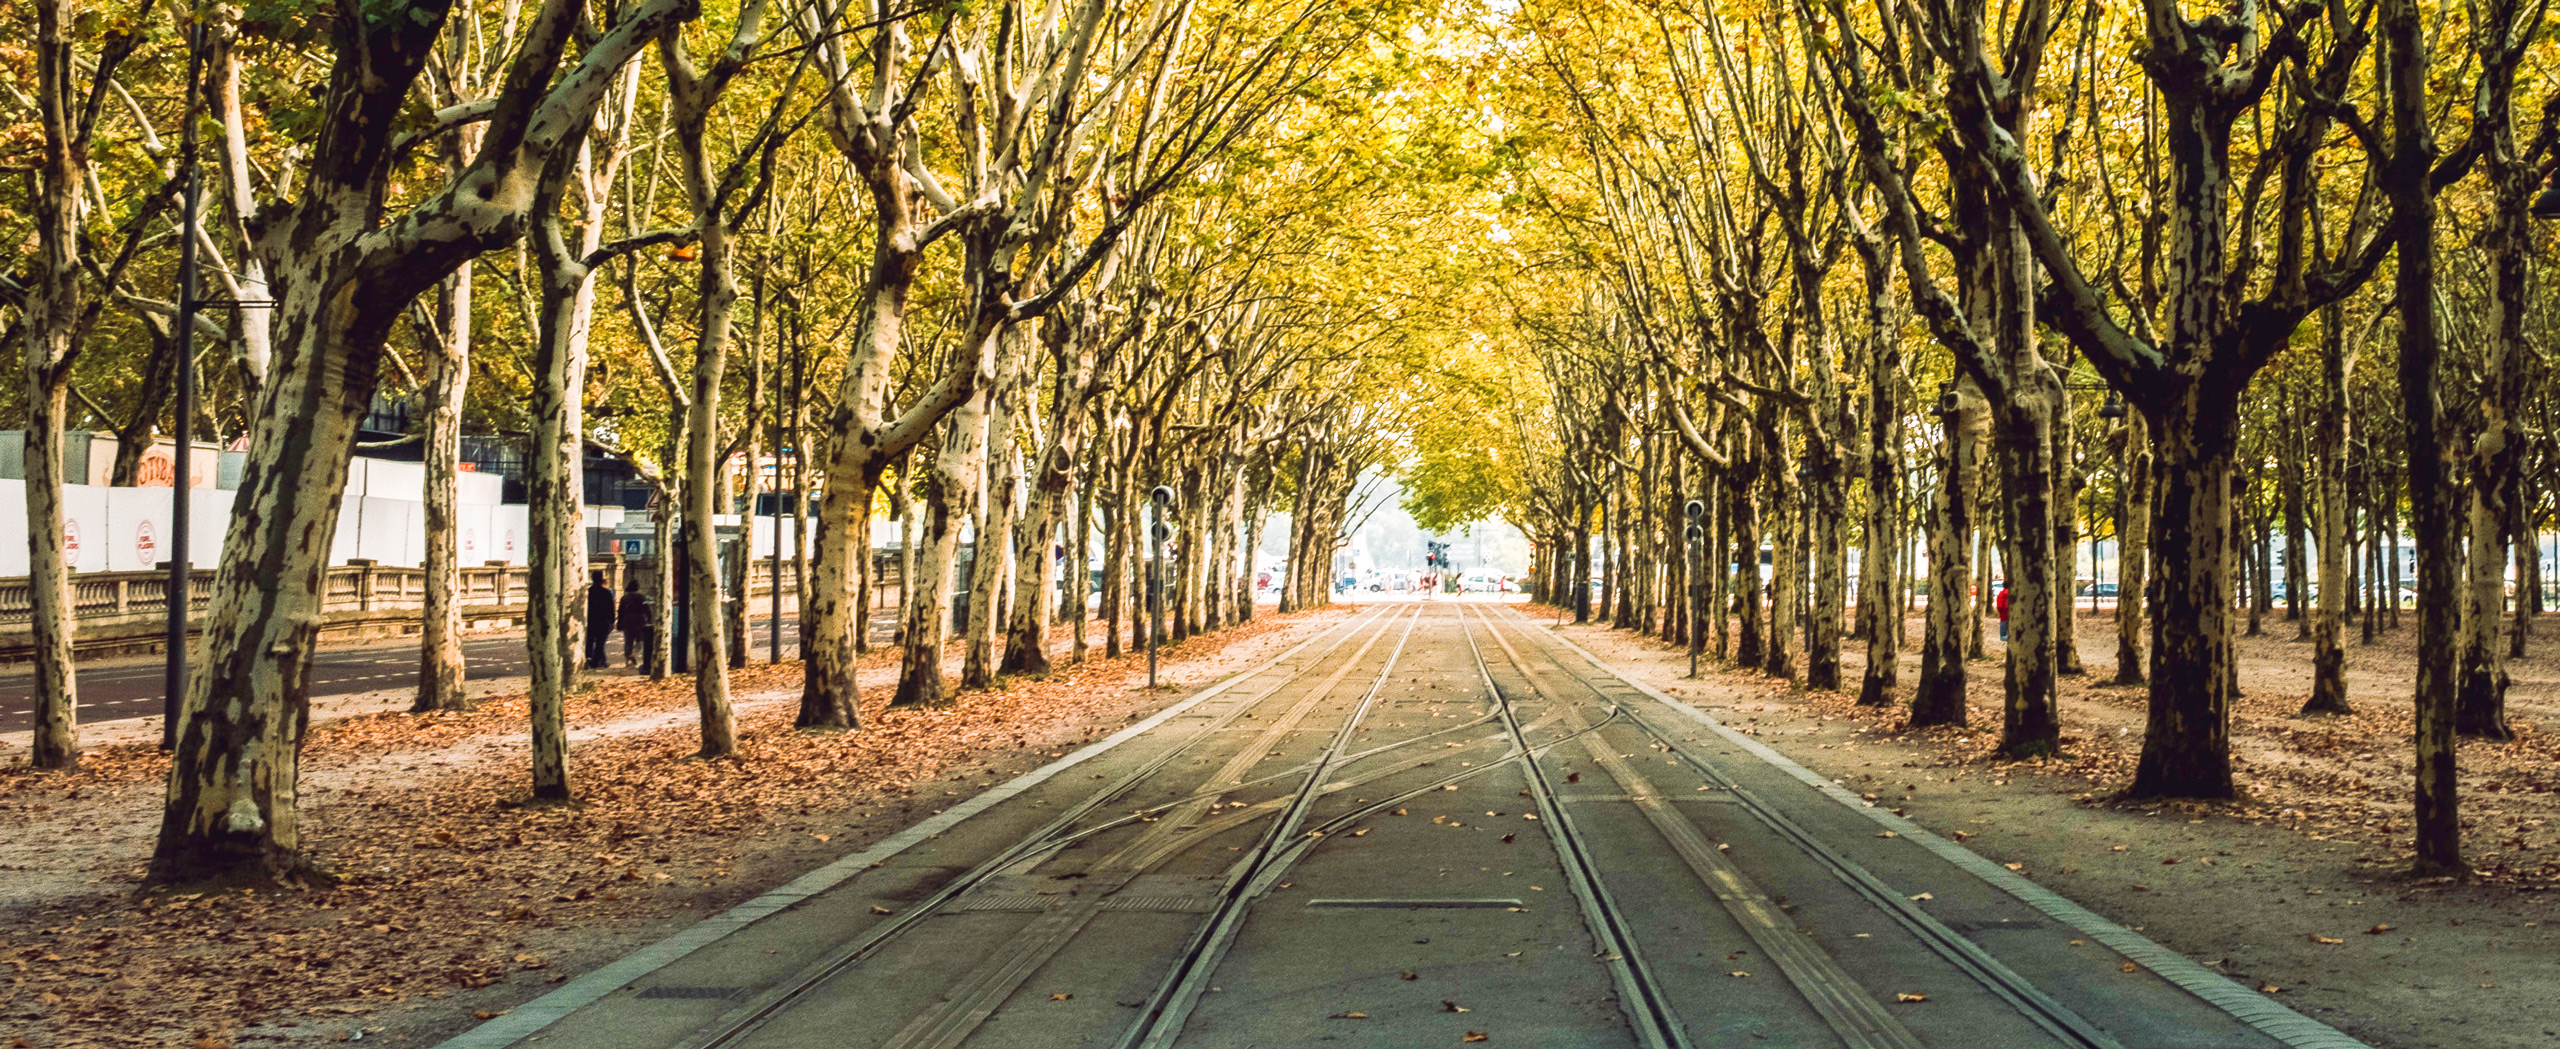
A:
{"x":2133,"y":550}
{"x":2336,"y":543}
{"x":447,"y":348}
{"x":52,"y":315}
{"x":1879,"y":565}
{"x":1938,"y":699}
{"x":344,"y":271}
{"x":950,"y":489}
{"x":2433,"y":495}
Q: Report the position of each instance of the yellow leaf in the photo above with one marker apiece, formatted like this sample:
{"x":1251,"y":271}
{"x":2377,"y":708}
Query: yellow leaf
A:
{"x":1909,"y":996}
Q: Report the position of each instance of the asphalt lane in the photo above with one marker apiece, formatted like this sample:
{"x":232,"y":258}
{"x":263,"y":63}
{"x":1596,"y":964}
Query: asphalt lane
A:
{"x":1432,"y":823}
{"x":114,"y":690}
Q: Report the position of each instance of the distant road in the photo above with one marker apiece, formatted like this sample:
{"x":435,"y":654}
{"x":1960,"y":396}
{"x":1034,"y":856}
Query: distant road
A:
{"x":114,"y":690}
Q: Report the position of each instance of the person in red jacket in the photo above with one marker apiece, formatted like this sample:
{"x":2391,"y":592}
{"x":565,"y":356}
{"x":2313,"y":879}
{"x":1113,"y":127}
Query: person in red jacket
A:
{"x":2000,"y":607}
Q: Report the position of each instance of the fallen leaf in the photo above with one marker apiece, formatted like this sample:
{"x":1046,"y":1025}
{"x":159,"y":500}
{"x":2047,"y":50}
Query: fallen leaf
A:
{"x":2128,"y":967}
{"x":2268,"y":988}
{"x":1408,"y":975}
{"x":1738,"y":974}
{"x":878,"y":909}
{"x":1887,"y":834}
{"x":2317,"y":938}
{"x":1348,"y":1016}
{"x":1909,"y":996}
{"x":1448,"y":1006}
{"x":1060,"y":997}
{"x":1476,"y":1036}
{"x":1923,"y":896}
{"x":2378,"y":930}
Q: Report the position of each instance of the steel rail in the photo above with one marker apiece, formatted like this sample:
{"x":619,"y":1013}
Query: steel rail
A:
{"x":1169,"y":1008}
{"x":2042,"y":1009}
{"x":741,"y":1021}
{"x":1846,"y":1006}
{"x":1160,"y":1022}
{"x":1657,"y":1025}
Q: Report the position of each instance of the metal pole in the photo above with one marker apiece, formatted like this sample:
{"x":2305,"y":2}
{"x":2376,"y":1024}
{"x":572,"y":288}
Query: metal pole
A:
{"x":174,"y":682}
{"x":773,"y":578}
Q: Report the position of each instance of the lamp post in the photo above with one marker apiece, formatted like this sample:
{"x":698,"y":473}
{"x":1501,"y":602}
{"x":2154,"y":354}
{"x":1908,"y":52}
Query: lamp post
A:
{"x":174,"y":675}
{"x":1161,"y":505}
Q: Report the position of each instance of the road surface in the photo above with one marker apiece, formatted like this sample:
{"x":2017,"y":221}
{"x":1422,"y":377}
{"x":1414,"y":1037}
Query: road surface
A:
{"x":1433,"y":823}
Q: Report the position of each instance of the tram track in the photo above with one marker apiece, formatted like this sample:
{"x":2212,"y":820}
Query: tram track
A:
{"x":1178,"y":826}
{"x":738,"y":1024}
{"x":1827,"y":989}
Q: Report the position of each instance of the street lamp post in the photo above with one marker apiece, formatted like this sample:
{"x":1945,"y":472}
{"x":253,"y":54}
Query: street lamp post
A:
{"x":1159,"y":530}
{"x":174,"y":675}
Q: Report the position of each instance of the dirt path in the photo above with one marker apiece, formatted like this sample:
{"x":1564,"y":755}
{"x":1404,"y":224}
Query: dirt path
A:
{"x":2298,"y":891}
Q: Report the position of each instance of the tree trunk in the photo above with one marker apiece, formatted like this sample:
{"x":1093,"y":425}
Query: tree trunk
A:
{"x":2030,"y":726}
{"x":1001,"y":483}
{"x":2064,"y":506}
{"x":2432,"y":494}
{"x":554,"y":489}
{"x":232,"y":804}
{"x":1939,"y":697}
{"x":2133,"y":549}
{"x":950,"y":488}
{"x":2337,"y":545}
{"x":448,"y":353}
{"x":52,"y":312}
{"x":1786,"y":567}
{"x":2297,"y":574}
{"x":1749,"y":649}
{"x":1879,"y":568}
{"x":703,"y":600}
{"x":2186,"y":747}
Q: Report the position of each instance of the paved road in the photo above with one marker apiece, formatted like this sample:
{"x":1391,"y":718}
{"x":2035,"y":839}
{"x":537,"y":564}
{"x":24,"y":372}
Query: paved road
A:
{"x":1433,"y":824}
{"x":113,"y":690}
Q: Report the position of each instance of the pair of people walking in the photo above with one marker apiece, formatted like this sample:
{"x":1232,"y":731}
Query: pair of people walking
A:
{"x":632,"y":615}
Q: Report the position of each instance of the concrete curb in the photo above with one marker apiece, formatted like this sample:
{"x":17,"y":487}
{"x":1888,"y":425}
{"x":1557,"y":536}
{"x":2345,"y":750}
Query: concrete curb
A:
{"x":2249,"y":1007}
{"x":532,"y":1017}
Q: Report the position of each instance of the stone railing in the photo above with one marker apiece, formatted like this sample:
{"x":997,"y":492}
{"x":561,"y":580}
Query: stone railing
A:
{"x":127,"y":612}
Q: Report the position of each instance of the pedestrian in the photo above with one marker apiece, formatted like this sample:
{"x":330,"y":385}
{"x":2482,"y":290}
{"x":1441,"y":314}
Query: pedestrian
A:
{"x":2000,"y":605}
{"x":599,"y":616}
{"x":637,"y":627}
